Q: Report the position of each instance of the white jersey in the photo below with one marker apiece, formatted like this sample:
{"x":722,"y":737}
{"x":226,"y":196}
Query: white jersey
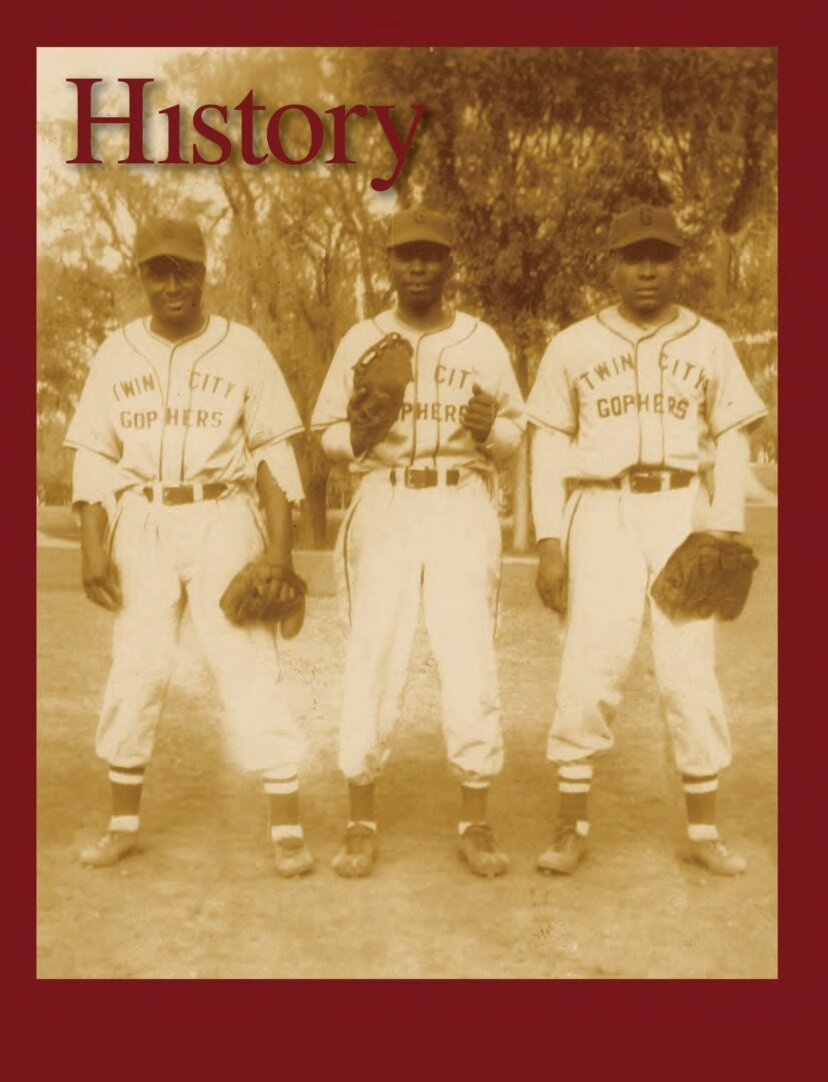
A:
{"x":207,"y":408}
{"x":632,"y":396}
{"x":399,"y":545}
{"x":447,"y":363}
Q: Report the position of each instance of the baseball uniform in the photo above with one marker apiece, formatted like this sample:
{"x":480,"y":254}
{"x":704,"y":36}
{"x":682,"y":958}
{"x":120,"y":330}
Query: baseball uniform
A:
{"x":169,"y":437}
{"x":423,"y":523}
{"x":626,"y":411}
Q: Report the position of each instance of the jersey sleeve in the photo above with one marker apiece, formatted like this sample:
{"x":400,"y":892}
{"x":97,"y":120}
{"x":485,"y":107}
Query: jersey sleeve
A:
{"x":91,"y":426}
{"x":336,"y":443}
{"x":732,"y":401}
{"x":552,"y":401}
{"x":510,"y":421}
{"x":270,"y":414}
{"x":731,"y":466}
{"x":95,"y":479}
{"x":548,"y":482}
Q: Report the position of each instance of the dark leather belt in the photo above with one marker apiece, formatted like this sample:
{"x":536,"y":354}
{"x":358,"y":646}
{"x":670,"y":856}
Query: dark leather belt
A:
{"x":426,"y":478}
{"x":639,"y":480}
{"x":173,"y":495}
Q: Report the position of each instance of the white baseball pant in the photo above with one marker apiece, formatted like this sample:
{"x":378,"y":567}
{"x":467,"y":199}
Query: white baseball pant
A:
{"x":395,"y":546}
{"x":166,"y":556}
{"x":618,"y":541}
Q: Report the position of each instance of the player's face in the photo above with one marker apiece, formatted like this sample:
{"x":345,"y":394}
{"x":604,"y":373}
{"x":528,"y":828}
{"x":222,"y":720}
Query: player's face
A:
{"x":418,"y":273}
{"x":173,"y":288}
{"x":645,"y":276}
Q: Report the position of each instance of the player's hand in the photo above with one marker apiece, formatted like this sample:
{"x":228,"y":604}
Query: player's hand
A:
{"x":281,"y":589}
{"x":551,"y":582}
{"x":479,"y":414}
{"x":101,"y":582}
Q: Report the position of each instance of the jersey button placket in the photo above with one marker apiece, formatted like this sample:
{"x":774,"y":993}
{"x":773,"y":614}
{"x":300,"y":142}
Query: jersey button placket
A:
{"x":416,"y":399}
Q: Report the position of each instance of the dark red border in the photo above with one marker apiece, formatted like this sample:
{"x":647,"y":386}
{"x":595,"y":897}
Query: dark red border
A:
{"x":105,"y":1026}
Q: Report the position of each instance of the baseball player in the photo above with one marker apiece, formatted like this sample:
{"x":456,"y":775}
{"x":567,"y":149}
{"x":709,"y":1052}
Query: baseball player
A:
{"x":621,"y":407}
{"x":422,"y":525}
{"x":182,"y":474}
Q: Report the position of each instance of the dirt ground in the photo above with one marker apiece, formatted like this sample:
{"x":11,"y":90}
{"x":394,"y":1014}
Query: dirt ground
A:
{"x":201,"y":900}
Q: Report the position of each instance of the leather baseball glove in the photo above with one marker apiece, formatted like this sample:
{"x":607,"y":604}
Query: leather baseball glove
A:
{"x":269,"y":592}
{"x":380,"y":377}
{"x":705,"y":576}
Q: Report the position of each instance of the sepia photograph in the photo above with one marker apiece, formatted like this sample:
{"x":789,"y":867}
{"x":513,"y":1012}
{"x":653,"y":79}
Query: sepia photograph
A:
{"x":407,"y":513}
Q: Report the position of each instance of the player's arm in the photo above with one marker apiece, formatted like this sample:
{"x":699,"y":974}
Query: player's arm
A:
{"x":733,"y":408}
{"x":96,"y":479}
{"x":93,"y":498}
{"x":548,"y":491}
{"x":725,"y":517}
{"x":277,"y":516}
{"x":270,"y":420}
{"x":553,"y":413}
{"x":98,"y":571}
{"x":331,"y":410}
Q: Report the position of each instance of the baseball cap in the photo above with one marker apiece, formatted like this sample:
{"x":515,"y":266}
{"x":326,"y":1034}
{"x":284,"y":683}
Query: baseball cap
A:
{"x":178,"y":237}
{"x":643,"y":223}
{"x":408,"y":226}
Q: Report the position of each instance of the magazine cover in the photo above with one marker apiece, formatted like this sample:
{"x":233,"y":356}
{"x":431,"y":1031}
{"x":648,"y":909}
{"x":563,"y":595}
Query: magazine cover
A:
{"x":451,"y":586}
{"x":406,"y":512}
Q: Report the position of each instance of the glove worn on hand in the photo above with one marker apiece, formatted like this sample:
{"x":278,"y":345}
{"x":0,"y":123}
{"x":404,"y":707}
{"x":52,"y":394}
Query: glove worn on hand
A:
{"x":266,"y":591}
{"x":381,"y":376}
{"x":705,"y":577}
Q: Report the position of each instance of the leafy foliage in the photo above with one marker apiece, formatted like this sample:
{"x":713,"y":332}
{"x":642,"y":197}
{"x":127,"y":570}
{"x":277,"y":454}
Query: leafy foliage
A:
{"x":532,"y":150}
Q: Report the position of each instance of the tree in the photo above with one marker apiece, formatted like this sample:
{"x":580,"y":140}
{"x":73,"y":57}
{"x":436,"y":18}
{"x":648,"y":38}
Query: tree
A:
{"x":301,"y":250}
{"x":531,"y":150}
{"x":534,"y":150}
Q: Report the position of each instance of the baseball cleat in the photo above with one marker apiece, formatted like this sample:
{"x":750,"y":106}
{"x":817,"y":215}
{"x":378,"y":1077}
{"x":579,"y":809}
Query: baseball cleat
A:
{"x":715,"y":856}
{"x":477,"y":849}
{"x":292,"y":857}
{"x":564,"y":854}
{"x":356,"y":857}
{"x":111,"y":847}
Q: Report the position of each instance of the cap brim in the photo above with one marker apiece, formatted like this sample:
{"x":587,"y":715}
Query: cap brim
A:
{"x":418,"y":238}
{"x":646,"y":234}
{"x":184,"y":254}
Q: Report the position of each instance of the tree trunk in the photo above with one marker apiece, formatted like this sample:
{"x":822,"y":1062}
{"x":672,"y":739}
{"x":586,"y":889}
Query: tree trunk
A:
{"x":520,"y":498}
{"x":721,"y":262}
{"x":313,"y":524}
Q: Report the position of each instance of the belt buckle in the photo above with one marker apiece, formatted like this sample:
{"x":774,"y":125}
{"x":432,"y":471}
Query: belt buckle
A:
{"x":174,"y":495}
{"x":646,"y":481}
{"x":414,"y":478}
